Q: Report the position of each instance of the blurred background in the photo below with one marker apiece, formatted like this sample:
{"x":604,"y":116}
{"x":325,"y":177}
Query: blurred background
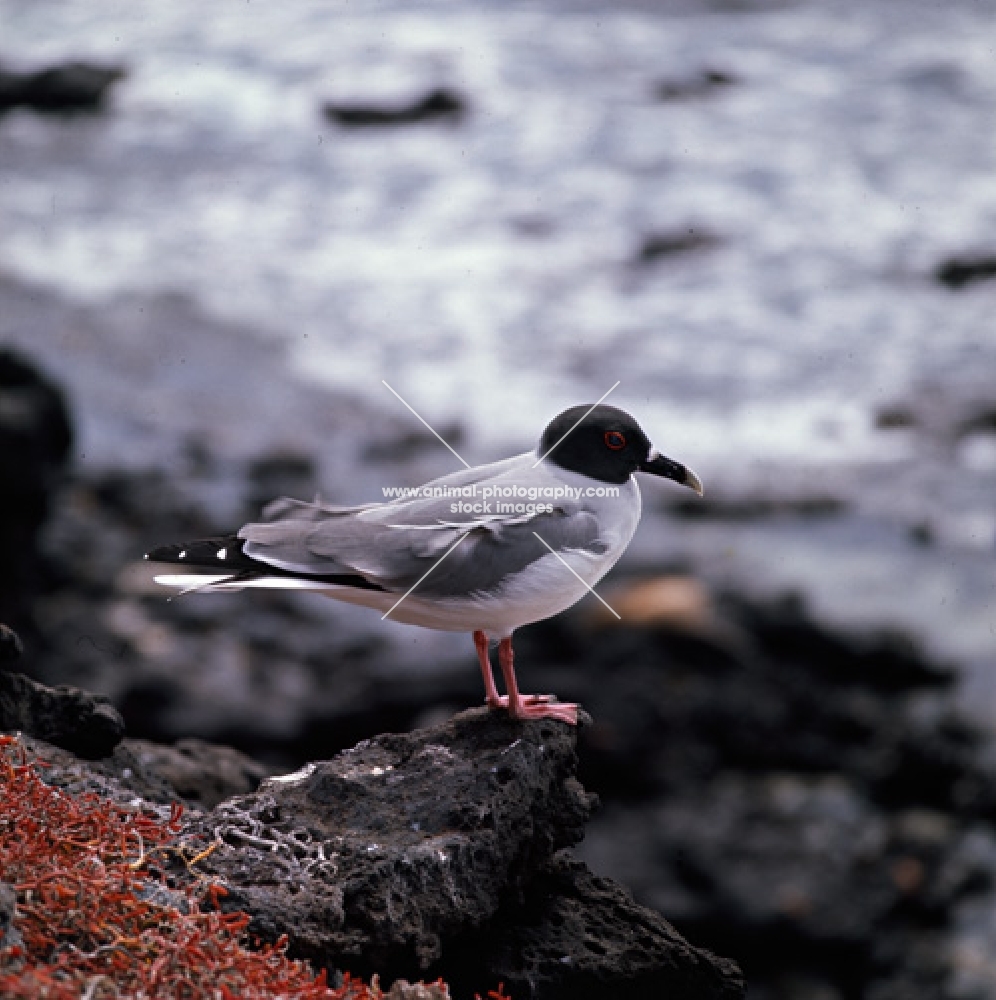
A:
{"x":771,"y":222}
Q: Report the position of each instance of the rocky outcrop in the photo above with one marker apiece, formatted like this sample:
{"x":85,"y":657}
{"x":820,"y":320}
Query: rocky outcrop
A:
{"x":66,"y":723}
{"x":83,"y":723}
{"x":36,"y":438}
{"x":65,"y":716}
{"x":438,"y":852}
{"x":60,"y":89}
{"x":579,"y":936}
{"x":438,"y":104}
{"x":957,"y":272}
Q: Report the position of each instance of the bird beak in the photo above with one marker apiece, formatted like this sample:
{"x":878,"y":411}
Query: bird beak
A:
{"x":658,"y":465}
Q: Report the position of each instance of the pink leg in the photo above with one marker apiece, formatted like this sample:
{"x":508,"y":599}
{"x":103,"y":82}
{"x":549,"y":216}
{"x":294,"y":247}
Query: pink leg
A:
{"x":490,"y":691}
{"x":493,"y":698}
{"x":530,"y":706}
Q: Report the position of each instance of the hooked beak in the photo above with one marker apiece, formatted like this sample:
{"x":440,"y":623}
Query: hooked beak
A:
{"x":658,"y":465}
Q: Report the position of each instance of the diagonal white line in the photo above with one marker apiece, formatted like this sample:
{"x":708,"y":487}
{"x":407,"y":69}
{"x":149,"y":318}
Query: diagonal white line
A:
{"x":571,"y":568}
{"x":571,"y":431}
{"x":433,"y":430}
{"x":431,"y":568}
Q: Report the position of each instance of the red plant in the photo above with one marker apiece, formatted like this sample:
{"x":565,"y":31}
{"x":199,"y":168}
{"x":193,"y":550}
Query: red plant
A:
{"x":94,"y":920}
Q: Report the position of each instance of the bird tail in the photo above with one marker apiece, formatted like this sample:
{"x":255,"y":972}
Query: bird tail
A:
{"x":213,"y":564}
{"x":208,"y":564}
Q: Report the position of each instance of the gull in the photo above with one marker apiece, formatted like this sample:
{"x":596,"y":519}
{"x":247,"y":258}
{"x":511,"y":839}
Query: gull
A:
{"x":484,"y":550}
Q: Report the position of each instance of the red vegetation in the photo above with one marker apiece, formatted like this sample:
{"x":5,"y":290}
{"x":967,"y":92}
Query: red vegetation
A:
{"x":93,"y":919}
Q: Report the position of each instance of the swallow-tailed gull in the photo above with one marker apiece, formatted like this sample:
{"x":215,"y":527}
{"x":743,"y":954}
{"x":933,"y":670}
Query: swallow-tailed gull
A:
{"x":484,"y":550}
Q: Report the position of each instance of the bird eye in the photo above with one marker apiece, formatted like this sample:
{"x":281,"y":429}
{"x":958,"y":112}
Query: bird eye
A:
{"x":615,"y":440}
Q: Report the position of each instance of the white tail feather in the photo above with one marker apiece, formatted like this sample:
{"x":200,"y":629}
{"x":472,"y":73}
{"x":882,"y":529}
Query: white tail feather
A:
{"x":194,"y":582}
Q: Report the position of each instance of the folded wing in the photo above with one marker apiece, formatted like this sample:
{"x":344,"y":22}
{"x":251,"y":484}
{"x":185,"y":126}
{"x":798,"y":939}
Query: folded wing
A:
{"x":393,"y":546}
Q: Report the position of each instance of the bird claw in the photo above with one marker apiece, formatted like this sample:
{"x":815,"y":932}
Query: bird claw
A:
{"x":548,"y":709}
{"x":527,"y":699}
{"x":538,"y":706}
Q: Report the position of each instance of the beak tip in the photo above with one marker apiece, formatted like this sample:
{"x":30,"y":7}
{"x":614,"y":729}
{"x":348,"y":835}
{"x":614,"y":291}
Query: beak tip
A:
{"x":693,"y":482}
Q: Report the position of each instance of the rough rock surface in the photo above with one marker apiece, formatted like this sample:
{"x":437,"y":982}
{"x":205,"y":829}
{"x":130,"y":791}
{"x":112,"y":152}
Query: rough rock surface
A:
{"x":196,"y":775}
{"x":762,"y":774}
{"x":577,"y":935}
{"x":65,"y":723}
{"x":199,"y":773}
{"x":387,"y":857}
{"x":86,"y":724}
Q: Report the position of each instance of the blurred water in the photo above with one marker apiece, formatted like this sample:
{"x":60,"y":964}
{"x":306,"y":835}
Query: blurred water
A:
{"x":489,"y":270}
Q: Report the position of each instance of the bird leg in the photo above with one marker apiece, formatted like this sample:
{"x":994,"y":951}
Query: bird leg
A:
{"x":530,"y":706}
{"x":494,"y":699}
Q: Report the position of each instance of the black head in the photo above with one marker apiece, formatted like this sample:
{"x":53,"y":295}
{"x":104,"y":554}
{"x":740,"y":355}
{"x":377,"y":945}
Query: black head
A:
{"x":607,"y":444}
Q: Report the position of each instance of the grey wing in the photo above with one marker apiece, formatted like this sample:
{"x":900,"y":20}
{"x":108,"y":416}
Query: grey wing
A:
{"x":479,"y":555}
{"x":492,"y":551}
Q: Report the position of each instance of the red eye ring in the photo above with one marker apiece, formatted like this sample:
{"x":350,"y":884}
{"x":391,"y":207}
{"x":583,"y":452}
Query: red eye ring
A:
{"x":615,"y":440}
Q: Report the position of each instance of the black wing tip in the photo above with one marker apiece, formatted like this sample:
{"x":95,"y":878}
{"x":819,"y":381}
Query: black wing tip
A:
{"x":164,"y":553}
{"x":206,"y":554}
{"x":221,"y":553}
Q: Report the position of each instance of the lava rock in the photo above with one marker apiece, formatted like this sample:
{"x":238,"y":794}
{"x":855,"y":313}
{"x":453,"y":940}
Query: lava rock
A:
{"x":86,"y":724}
{"x":957,"y":272}
{"x":369,"y":859}
{"x":8,"y":904}
{"x":896,"y":416}
{"x":759,"y":686}
{"x":140,"y":773}
{"x":577,"y":936}
{"x":68,"y":87}
{"x":884,"y":659}
{"x":982,"y":420}
{"x":702,"y":84}
{"x":11,"y":649}
{"x":387,"y":857}
{"x":439,"y":104}
{"x":756,"y":508}
{"x":674,"y":244}
{"x":200,"y":773}
{"x":10,"y":936}
{"x":770,"y":868}
{"x":36,"y":437}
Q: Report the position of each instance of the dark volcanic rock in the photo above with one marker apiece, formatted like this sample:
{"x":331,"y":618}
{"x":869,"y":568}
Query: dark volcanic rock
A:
{"x":757,"y":507}
{"x":981,"y":420}
{"x":200,"y":773}
{"x":391,"y":856}
{"x":702,"y":84}
{"x":801,"y":799}
{"x":439,"y":104}
{"x":577,"y":936}
{"x":802,"y":874}
{"x":659,"y":245}
{"x":11,"y":649}
{"x":10,"y":937}
{"x":196,"y":774}
{"x":35,"y":440}
{"x":86,"y":724}
{"x":373,"y":856}
{"x":960,"y":271}
{"x":69,"y":87}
